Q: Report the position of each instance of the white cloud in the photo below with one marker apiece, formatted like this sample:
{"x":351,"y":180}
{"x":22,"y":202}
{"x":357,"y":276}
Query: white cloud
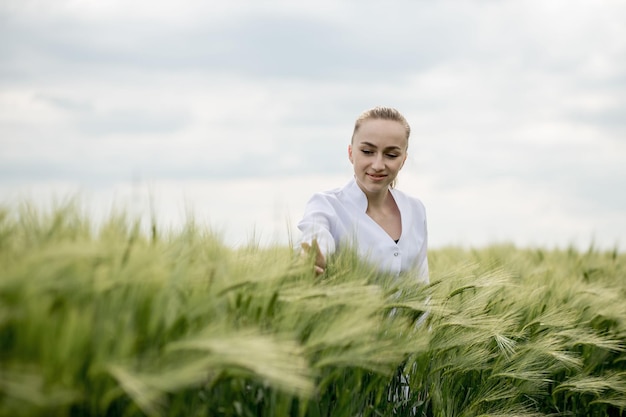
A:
{"x":516,"y":107}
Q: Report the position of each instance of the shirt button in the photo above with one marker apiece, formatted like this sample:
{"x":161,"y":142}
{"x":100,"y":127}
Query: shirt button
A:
{"x":395,"y":254}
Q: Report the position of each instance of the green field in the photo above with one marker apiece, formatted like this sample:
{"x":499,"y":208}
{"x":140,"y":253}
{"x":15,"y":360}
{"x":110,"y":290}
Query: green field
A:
{"x":113,"y":321}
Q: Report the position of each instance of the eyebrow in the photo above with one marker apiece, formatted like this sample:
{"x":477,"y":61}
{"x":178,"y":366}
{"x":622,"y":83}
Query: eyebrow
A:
{"x":374,"y":146}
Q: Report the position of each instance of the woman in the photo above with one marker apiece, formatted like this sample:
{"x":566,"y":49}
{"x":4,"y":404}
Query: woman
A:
{"x":384,"y":225}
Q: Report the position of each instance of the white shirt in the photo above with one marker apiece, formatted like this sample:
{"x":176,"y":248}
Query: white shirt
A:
{"x":338,"y":218}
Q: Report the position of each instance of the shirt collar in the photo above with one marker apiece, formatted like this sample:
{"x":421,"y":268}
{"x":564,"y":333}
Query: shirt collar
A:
{"x":355,"y":195}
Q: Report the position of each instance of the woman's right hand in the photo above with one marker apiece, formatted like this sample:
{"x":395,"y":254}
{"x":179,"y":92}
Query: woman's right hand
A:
{"x":320,"y":262}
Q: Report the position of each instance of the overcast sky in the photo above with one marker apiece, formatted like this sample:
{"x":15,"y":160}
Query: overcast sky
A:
{"x":235,"y":112}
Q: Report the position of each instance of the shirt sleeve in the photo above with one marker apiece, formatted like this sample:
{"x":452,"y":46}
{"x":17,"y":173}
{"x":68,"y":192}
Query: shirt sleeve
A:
{"x":317,"y":222}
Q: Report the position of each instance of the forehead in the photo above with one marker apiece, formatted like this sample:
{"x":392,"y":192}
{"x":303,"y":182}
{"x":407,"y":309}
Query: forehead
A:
{"x":382,"y":133}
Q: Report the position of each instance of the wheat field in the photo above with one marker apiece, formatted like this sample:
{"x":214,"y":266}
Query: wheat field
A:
{"x":115,"y":321}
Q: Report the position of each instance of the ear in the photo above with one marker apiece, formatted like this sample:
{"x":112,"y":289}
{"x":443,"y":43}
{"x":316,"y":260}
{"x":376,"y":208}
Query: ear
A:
{"x":350,"y":153}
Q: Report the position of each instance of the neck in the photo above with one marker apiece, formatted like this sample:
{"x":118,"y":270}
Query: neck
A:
{"x":377,"y":201}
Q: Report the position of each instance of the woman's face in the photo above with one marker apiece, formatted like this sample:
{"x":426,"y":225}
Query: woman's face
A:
{"x":377,"y":152}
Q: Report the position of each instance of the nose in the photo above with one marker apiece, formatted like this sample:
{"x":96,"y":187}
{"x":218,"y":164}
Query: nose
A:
{"x":378,"y":164}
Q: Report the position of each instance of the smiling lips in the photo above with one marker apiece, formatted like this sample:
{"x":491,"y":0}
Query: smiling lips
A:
{"x":377,"y":177}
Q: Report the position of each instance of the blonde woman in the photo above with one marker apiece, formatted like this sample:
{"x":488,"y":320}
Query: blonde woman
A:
{"x":386,"y":226}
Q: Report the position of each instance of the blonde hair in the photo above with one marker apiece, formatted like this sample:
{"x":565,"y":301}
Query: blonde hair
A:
{"x":384,"y":113}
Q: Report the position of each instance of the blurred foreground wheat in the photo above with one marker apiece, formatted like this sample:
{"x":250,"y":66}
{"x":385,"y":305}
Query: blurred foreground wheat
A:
{"x":110,"y":321}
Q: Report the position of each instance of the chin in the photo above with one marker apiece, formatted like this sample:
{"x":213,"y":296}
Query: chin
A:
{"x":376,"y":186}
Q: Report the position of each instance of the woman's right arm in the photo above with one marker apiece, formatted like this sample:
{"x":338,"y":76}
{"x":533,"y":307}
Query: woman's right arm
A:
{"x":316,"y":231}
